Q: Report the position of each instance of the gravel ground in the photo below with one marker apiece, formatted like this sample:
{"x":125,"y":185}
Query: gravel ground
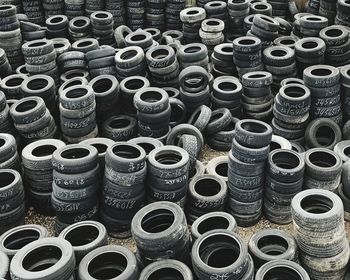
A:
{"x":206,"y":155}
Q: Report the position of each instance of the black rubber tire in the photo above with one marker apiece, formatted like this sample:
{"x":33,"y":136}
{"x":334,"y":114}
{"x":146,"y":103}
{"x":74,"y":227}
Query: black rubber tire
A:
{"x":104,"y":258}
{"x":63,"y":263}
{"x":282,"y":268}
{"x":253,"y":133}
{"x":312,"y":137}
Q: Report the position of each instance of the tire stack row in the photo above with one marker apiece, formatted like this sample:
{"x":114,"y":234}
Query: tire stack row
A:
{"x":153,"y":112}
{"x":11,"y":39}
{"x":257,"y":101}
{"x":237,"y":12}
{"x":167,"y":177}
{"x":33,"y":120}
{"x":318,"y":218}
{"x":324,"y":84}
{"x":163,"y":66}
{"x":75,"y":184}
{"x":284,"y":179}
{"x":172,"y":14}
{"x":102,"y":27}
{"x":123,"y":187}
{"x":265,"y":28}
{"x":40,"y":58}
{"x":291,"y":112}
{"x":37,"y":166}
{"x":247,"y":54}
{"x":337,"y":45}
{"x":135,"y":12}
{"x":12,"y":200}
{"x":206,"y":193}
{"x":246,"y":170}
{"x":323,"y":169}
{"x":130,"y":61}
{"x":92,"y":6}
{"x":280,"y":62}
{"x":191,"y":19}
{"x":5,"y":67}
{"x":101,"y":61}
{"x":194,"y":92}
{"x":9,"y":155}
{"x":211,"y":33}
{"x":222,"y":59}
{"x":77,"y":113}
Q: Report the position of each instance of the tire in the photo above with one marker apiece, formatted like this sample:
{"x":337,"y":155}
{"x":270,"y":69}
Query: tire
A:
{"x":16,"y":238}
{"x":62,"y":264}
{"x":166,"y":268}
{"x":253,"y":133}
{"x":218,"y":167}
{"x":270,"y":244}
{"x":85,"y":236}
{"x":281,"y":268}
{"x":100,"y":261}
{"x":211,"y":221}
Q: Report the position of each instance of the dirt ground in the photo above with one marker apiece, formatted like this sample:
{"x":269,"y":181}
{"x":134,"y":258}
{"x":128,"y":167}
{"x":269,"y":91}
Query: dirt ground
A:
{"x":207,"y":154}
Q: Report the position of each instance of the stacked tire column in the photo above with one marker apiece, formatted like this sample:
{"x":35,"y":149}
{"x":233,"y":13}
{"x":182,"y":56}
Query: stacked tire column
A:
{"x":123,"y":188}
{"x":246,"y":170}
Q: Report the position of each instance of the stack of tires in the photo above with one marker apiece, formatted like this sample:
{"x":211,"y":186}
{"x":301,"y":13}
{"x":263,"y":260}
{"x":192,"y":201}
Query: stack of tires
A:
{"x":257,"y":101}
{"x":172,"y":14}
{"x":40,"y":58}
{"x":79,"y":28}
{"x":318,"y":217}
{"x":130,"y":61}
{"x":291,"y":112}
{"x":324,"y":84}
{"x":323,"y":169}
{"x":284,"y":179}
{"x":191,"y":19}
{"x":309,"y":51}
{"x":12,"y":200}
{"x":222,"y":59}
{"x":206,"y":193}
{"x":237,"y":12}
{"x":33,"y":120}
{"x":246,"y":170}
{"x":120,"y":128}
{"x":194,"y":87}
{"x":337,"y":41}
{"x":153,"y":112}
{"x":211,"y":33}
{"x":247,"y":54}
{"x":164,"y":224}
{"x":117,"y":9}
{"x":101,"y":61}
{"x":123,"y":187}
{"x":11,"y":40}
{"x":345,"y":91}
{"x":155,"y":14}
{"x":8,"y":151}
{"x":37,"y":166}
{"x":167,"y":177}
{"x":77,"y":113}
{"x":75,"y":184}
{"x":311,"y":25}
{"x":11,"y":86}
{"x":163,"y":66}
{"x":215,"y":244}
{"x":102,"y":27}
{"x":135,"y":12}
{"x":265,"y":28}
{"x":194,"y":54}
{"x":280,"y":62}
{"x":57,"y":26}
{"x":6,"y":124}
{"x":343,"y":11}
{"x":227,"y":91}
{"x":5,"y":67}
